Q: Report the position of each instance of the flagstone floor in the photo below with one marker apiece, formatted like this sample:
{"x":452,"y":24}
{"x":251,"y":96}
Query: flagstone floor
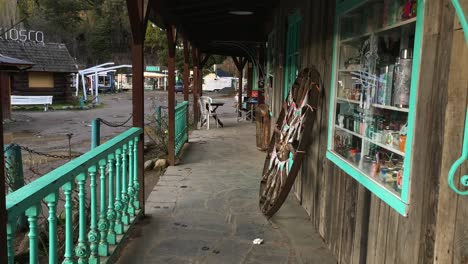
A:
{"x":205,"y":210}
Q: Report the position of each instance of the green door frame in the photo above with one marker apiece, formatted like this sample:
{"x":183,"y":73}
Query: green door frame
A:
{"x":292,"y":51}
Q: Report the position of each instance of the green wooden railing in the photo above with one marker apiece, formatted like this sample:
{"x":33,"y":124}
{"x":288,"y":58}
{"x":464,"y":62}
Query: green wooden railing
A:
{"x":109,"y":173}
{"x":181,"y":126}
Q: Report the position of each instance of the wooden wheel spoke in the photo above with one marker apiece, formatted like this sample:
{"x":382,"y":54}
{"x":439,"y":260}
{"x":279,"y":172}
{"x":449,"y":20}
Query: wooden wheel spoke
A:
{"x":294,"y":121}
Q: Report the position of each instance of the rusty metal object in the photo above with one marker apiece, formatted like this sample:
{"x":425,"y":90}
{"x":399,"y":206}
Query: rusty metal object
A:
{"x":263,"y":123}
{"x":288,"y":145}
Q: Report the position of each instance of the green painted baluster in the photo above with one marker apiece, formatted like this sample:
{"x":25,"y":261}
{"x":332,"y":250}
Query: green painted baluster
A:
{"x":136,"y":184}
{"x":69,"y":254}
{"x":118,"y":227}
{"x":103,"y":249}
{"x":131,"y":190}
{"x":32,"y":213}
{"x":125,"y":198}
{"x":81,"y":249}
{"x":51,"y":201}
{"x":93,"y":235}
{"x":10,"y":242}
{"x":111,"y":236}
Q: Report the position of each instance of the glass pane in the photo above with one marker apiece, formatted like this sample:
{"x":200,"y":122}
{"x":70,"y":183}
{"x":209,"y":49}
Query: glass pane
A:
{"x":373,"y":88}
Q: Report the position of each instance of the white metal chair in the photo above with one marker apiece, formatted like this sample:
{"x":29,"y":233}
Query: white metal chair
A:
{"x":206,"y":111}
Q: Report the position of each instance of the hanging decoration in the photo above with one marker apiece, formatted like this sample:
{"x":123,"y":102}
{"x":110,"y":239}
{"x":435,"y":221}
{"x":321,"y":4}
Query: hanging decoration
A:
{"x":290,"y":140}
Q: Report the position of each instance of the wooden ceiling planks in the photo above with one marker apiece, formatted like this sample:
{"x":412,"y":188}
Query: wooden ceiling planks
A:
{"x":210,"y":26}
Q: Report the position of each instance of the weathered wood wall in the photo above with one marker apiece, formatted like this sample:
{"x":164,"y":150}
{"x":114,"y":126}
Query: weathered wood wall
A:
{"x":5,"y":95}
{"x":357,"y":226}
{"x":62,"y":90}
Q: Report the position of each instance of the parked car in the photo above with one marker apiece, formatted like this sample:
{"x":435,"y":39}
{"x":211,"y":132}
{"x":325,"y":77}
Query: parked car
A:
{"x":179,"y":87}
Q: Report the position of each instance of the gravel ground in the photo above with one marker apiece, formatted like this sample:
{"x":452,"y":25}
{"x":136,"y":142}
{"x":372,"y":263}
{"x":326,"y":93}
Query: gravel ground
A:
{"x":47,"y":131}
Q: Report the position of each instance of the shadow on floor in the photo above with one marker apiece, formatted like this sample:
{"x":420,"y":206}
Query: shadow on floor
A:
{"x":205,"y":210}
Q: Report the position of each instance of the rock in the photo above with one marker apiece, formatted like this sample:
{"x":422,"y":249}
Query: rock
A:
{"x":160,"y":164}
{"x":149,"y":164}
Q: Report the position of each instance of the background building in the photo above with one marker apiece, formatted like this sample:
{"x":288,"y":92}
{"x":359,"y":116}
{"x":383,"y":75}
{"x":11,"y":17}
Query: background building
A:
{"x":50,"y":74}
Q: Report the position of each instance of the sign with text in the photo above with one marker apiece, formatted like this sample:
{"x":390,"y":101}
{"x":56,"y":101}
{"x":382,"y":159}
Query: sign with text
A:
{"x":22,"y":35}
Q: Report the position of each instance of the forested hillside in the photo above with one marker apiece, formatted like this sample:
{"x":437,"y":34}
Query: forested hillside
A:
{"x":95,"y":31}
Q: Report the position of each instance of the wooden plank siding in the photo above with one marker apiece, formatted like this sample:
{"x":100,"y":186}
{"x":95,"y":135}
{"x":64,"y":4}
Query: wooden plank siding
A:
{"x":356,"y":225}
{"x":62,"y":90}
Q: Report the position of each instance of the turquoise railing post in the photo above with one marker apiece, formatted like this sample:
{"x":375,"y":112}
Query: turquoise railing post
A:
{"x":51,"y":201}
{"x":112,"y":155}
{"x":95,"y":133}
{"x":14,"y":167}
{"x":10,"y":242}
{"x":118,"y":227}
{"x":159,"y":117}
{"x":14,"y":172}
{"x":125,"y":198}
{"x":93,"y":235}
{"x":103,"y":249}
{"x":131,"y":190}
{"x":81,"y":249}
{"x":136,"y":184}
{"x":111,"y":236}
{"x":32,"y":213}
{"x":181,"y":126}
{"x":69,"y":254}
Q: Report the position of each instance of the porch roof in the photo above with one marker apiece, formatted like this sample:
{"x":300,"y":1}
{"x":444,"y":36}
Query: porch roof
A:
{"x":9,"y":63}
{"x":211,"y":25}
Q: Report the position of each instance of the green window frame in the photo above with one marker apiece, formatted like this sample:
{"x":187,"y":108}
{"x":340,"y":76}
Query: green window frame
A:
{"x":398,"y":203}
{"x":292,"y":51}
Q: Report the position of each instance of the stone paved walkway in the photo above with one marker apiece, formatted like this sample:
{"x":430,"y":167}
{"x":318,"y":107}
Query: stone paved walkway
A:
{"x":206,"y":210}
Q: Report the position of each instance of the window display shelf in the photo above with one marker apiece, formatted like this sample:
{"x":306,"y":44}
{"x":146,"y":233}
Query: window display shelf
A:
{"x":379,"y":31}
{"x":387,"y":107}
{"x":387,"y":184}
{"x":347,"y":100}
{"x":392,"y":108}
{"x":377,"y":53}
{"x":384,"y":146}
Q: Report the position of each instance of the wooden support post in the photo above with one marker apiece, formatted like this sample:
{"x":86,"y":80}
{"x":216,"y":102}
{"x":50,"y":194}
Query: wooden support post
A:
{"x":250,"y":80}
{"x":196,"y":81}
{"x":171,"y":42}
{"x":5,"y":102}
{"x":138,"y":20}
{"x":3,"y":214}
{"x":186,"y":78}
{"x":240,"y":64}
{"x":261,"y":74}
{"x":202,"y":64}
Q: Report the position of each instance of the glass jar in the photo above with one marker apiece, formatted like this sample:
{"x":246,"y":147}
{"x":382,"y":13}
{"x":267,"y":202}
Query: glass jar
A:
{"x":366,"y":163}
{"x":375,"y":169}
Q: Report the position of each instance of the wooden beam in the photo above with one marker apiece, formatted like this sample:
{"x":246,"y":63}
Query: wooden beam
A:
{"x":186,"y":77}
{"x":204,"y":60}
{"x":250,"y":79}
{"x":195,"y":60}
{"x":171,"y":42}
{"x":3,"y":213}
{"x":240,"y":64}
{"x":261,"y":73}
{"x":135,"y":12}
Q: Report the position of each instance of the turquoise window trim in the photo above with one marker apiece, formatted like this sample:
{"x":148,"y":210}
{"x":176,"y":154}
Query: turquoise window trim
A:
{"x":384,"y":194}
{"x":292,"y":51}
{"x":255,"y":78}
{"x":399,"y":204}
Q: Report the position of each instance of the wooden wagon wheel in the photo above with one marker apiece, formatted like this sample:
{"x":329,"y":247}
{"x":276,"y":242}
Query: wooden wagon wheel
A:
{"x":288,"y":145}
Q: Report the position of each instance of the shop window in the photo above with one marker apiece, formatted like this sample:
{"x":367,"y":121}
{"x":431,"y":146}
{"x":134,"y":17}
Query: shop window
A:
{"x":377,"y":50}
{"x":41,"y":80}
{"x":292,"y":51}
